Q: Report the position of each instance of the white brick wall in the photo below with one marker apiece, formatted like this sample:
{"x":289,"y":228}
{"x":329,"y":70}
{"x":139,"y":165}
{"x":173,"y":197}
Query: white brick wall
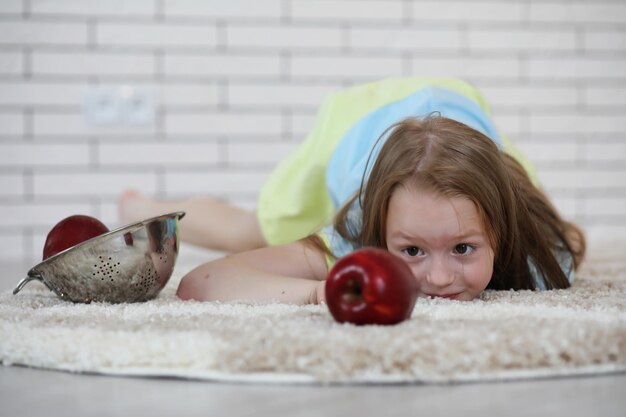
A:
{"x":210,"y":65}
{"x":42,"y":33}
{"x":578,"y":11}
{"x":11,"y":123}
{"x":236,"y":85}
{"x":90,"y":8}
{"x":390,"y":11}
{"x":218,"y":9}
{"x":157,"y":34}
{"x":81,"y":64}
{"x":461,"y":11}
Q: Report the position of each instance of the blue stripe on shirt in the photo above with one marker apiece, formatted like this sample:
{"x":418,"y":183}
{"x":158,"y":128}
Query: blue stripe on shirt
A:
{"x":346,"y":167}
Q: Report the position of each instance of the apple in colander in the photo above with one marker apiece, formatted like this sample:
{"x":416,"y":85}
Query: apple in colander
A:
{"x":70,"y":232}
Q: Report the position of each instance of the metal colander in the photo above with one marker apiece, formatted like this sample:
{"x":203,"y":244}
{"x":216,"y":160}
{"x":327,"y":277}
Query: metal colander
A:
{"x":129,"y":264}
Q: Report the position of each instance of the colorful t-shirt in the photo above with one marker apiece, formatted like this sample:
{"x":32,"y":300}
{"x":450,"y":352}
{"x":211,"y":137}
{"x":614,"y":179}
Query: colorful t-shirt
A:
{"x":305,"y":191}
{"x":296,"y":200}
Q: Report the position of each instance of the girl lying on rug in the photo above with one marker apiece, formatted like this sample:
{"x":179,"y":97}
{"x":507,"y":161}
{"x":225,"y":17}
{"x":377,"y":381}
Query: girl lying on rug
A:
{"x":415,"y":166}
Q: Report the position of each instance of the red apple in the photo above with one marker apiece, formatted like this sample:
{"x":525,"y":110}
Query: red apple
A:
{"x":72,"y":231}
{"x":370,"y":286}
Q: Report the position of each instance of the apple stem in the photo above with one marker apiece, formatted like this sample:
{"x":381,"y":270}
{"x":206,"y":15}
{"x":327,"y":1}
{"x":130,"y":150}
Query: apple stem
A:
{"x":355,"y":292}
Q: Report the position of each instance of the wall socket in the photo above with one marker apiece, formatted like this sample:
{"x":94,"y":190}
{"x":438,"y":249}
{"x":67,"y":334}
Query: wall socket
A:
{"x":118,"y":105}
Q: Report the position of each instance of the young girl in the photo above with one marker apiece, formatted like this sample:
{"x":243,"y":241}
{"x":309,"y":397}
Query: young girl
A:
{"x":414,"y":166}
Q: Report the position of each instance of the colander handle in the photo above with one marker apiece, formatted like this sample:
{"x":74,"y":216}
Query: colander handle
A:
{"x":29,"y":278}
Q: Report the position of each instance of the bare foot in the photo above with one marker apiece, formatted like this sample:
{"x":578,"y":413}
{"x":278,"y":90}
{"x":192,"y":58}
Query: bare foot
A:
{"x":132,"y":206}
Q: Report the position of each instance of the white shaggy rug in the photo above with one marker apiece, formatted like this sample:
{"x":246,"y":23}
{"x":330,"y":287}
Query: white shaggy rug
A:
{"x":502,"y":335}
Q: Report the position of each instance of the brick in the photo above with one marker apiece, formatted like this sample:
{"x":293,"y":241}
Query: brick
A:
{"x":582,"y":178}
{"x":11,"y":63}
{"x":73,"y":124}
{"x":401,"y":39}
{"x":526,"y":39}
{"x":11,"y":124}
{"x":12,"y":245}
{"x":605,"y":152}
{"x":469,"y":68}
{"x":38,"y":240}
{"x":198,"y":94}
{"x":11,"y":185}
{"x":259,"y":153}
{"x":597,"y":234}
{"x":223,"y":65}
{"x":566,"y":206}
{"x":160,"y":35}
{"x":528,"y":96}
{"x":232,"y":123}
{"x":574,"y":68}
{"x":177,"y":94}
{"x":461,"y":11}
{"x":348,"y":67}
{"x":577,"y":123}
{"x":614,"y":95}
{"x":352,"y":11}
{"x":221,"y":183}
{"x":31,"y":93}
{"x":219,"y":9}
{"x":604,"y":40}
{"x":573,"y":12}
{"x":39,"y":214}
{"x":283,"y":37}
{"x":509,"y":124}
{"x":93,"y":63}
{"x":282,"y":95}
{"x":607,"y":206}
{"x":36,"y":154}
{"x":301,"y":124}
{"x":93,"y":184}
{"x":121,"y":8}
{"x":158,"y":154}
{"x":108,"y":213}
{"x":11,"y":6}
{"x":42,"y":33}
{"x":549,"y":151}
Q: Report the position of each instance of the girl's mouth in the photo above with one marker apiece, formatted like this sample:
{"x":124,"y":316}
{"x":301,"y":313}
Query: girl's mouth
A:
{"x":454,"y":296}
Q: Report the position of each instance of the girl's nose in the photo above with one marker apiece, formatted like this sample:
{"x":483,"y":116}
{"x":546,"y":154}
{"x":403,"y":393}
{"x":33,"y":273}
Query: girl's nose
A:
{"x":440,"y":274}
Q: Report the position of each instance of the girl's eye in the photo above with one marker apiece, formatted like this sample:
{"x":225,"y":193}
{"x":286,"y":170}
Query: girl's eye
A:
{"x":412,"y":251}
{"x":463,"y":249}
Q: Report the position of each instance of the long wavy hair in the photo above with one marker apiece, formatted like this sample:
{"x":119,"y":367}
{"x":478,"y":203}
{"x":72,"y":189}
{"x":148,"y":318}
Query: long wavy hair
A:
{"x":454,"y":160}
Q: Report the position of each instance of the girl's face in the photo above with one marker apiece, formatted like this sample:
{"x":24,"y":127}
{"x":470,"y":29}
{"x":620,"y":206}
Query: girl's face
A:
{"x":442,"y":240}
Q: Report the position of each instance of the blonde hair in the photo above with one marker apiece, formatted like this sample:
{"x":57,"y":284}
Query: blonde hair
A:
{"x":454,"y":160}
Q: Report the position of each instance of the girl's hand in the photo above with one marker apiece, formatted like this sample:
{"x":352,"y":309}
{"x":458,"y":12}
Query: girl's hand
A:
{"x":319,"y":295}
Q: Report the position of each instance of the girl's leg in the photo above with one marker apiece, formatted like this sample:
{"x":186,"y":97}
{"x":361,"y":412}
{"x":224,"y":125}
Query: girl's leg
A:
{"x":208,"y":222}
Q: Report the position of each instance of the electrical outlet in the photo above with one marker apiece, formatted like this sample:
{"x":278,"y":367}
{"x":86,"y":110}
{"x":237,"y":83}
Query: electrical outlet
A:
{"x":136,"y":105}
{"x":118,"y":105}
{"x":100,"y":106}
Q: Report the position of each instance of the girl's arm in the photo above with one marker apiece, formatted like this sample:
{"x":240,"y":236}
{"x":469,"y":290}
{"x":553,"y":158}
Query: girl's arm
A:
{"x":292,"y":273}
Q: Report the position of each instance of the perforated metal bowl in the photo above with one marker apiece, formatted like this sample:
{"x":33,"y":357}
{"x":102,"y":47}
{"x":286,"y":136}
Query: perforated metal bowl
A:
{"x":129,"y":264}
